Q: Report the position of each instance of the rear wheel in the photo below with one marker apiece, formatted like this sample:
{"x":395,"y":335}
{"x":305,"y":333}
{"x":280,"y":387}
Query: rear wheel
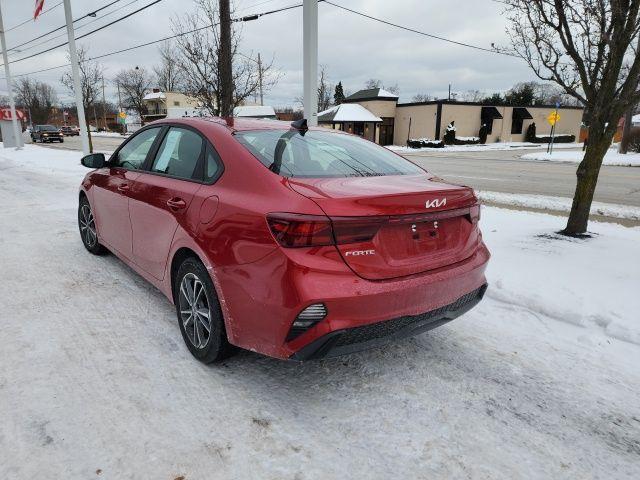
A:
{"x":199,"y":313}
{"x":87,"y":226}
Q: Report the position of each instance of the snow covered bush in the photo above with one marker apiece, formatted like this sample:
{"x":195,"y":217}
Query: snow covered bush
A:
{"x":424,"y":143}
{"x":482,"y":134}
{"x":530,"y":136}
{"x":450,"y":134}
{"x":559,"y":138}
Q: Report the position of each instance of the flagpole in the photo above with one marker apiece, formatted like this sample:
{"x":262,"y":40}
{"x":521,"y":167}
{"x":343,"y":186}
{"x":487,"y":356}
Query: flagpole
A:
{"x":77,"y":85}
{"x":17,"y":131}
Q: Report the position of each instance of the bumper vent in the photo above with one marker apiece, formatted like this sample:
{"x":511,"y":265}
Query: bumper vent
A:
{"x":306,"y":319}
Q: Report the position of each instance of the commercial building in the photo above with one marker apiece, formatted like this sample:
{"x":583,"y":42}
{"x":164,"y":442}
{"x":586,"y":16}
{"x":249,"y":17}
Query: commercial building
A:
{"x":169,"y":105}
{"x":398,"y":122}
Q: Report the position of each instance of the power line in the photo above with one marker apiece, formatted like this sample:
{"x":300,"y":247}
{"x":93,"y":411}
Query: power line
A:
{"x":430,"y":35}
{"x":90,"y":14}
{"x":78,"y":27}
{"x":31,"y":19}
{"x":88,"y":33}
{"x":164,"y":39}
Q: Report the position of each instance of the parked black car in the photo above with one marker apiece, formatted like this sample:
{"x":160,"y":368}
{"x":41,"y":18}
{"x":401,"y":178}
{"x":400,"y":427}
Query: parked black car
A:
{"x":46,"y":133}
{"x":69,"y":131}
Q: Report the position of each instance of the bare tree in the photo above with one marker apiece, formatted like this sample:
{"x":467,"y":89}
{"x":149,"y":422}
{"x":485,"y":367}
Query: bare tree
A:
{"x":134,"y":84}
{"x":325,"y":90}
{"x":377,"y":83}
{"x":421,"y":97}
{"x":167,"y":72}
{"x":38,"y":97}
{"x":590,"y":49}
{"x":199,"y":60}
{"x":91,"y":77}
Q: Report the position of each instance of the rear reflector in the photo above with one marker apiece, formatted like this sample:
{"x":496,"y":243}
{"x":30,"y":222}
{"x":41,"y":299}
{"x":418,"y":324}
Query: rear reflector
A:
{"x":306,"y":319}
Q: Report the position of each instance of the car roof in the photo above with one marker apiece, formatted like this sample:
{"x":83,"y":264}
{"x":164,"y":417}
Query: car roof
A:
{"x":237,"y":124}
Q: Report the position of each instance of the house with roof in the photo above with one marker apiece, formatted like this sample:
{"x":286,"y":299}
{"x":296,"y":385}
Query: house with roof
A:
{"x":161,"y":104}
{"x":391,"y":122}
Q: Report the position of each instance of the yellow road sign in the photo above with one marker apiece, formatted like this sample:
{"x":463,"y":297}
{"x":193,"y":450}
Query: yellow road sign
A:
{"x":122,"y":115}
{"x":553,"y":118}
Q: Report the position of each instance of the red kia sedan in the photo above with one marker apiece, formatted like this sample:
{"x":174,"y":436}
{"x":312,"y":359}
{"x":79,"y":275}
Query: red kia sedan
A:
{"x":295,"y":242}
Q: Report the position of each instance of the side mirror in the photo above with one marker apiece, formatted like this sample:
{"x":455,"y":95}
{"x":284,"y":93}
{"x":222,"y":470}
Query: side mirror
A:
{"x":95,"y":160}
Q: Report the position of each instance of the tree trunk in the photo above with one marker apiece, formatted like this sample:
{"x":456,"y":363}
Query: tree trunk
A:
{"x":86,"y":119}
{"x":587,"y":178}
{"x":626,"y":131}
{"x":226,"y":76}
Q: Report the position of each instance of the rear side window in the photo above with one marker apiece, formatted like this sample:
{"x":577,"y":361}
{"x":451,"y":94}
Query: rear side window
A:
{"x":322,"y":154}
{"x":212,"y":165}
{"x":133,"y":154}
{"x":178,"y":154}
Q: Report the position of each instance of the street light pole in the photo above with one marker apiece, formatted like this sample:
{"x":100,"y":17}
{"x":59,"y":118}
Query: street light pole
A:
{"x":77,"y":85}
{"x":310,"y":61}
{"x":17,"y":131}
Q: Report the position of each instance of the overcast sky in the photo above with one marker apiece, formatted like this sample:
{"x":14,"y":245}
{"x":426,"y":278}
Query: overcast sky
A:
{"x":353,"y":48}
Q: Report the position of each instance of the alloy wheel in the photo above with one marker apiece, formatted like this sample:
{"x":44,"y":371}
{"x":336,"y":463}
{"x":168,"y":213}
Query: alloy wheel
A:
{"x":88,"y":226}
{"x":195,"y":312}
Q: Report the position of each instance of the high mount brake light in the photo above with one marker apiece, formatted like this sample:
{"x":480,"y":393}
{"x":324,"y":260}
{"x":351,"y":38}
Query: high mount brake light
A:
{"x":297,"y":230}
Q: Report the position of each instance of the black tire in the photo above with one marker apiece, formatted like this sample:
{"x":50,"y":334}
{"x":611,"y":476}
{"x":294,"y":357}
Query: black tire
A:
{"x":62,"y":140}
{"x":87,"y":228}
{"x":215,"y":347}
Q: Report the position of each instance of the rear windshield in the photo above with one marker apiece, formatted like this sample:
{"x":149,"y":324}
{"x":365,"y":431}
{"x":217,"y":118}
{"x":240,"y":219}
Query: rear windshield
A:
{"x":48,"y":128}
{"x":322,"y":154}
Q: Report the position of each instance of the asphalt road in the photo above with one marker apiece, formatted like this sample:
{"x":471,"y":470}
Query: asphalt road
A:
{"x":502,"y":171}
{"x":496,"y":171}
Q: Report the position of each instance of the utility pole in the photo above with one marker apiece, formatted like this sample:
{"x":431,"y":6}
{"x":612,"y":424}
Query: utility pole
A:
{"x":17,"y":130}
{"x":104,"y":107}
{"x":77,"y":85}
{"x":310,"y":61}
{"x":224,"y":60}
{"x":260,"y":79}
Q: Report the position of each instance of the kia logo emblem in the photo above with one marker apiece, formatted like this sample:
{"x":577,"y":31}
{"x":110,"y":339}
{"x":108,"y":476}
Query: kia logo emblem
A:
{"x":435,"y":203}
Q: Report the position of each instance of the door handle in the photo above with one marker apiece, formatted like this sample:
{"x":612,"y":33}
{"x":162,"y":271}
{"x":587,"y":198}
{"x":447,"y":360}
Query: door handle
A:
{"x":176,"y":203}
{"x":123,"y":187}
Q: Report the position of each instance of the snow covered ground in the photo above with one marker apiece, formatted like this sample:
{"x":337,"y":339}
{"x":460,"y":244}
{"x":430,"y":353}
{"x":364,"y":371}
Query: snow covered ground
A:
{"x":482,"y":148}
{"x":575,"y":156}
{"x":559,"y":204}
{"x":541,"y":380}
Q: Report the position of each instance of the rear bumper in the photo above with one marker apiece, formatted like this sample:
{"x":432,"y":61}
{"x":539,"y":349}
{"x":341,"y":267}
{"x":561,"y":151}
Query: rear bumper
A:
{"x":262,"y":299}
{"x":350,"y":340}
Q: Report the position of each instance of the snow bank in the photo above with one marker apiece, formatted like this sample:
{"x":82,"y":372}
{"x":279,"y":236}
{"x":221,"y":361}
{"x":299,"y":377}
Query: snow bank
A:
{"x":592,"y":283}
{"x":575,"y":156}
{"x":483,"y":148}
{"x":561,"y":204}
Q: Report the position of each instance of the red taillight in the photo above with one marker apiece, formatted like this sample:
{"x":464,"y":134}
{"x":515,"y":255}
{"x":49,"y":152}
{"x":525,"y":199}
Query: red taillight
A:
{"x":295,"y":230}
{"x":357,"y":229}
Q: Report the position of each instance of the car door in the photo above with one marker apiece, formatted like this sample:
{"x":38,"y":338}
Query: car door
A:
{"x":111,"y":187}
{"x":161,"y":196}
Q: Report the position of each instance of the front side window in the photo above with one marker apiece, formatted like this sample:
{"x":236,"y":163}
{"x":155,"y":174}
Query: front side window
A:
{"x":133,"y":154}
{"x":322,"y":154}
{"x":178,"y":154}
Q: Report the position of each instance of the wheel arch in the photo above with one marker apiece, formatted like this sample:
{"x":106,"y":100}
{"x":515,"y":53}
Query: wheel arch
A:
{"x":178,"y":257}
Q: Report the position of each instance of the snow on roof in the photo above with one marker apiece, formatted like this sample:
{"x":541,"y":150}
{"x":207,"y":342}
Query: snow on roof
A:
{"x":370,"y":94}
{"x":155,"y":96}
{"x":254,"y":111}
{"x":347,"y":112}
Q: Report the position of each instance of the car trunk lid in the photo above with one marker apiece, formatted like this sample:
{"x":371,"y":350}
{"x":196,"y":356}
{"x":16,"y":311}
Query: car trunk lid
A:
{"x":409,"y":224}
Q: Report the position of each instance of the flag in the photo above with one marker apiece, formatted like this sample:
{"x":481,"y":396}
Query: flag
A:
{"x":39,"y":5}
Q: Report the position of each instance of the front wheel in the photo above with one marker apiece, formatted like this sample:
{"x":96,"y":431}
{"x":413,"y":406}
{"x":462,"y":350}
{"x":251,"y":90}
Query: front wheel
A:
{"x":87,"y":226}
{"x":199,"y":313}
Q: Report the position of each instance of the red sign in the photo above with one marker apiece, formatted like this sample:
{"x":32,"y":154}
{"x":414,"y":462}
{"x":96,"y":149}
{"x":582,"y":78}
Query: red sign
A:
{"x":39,"y":5}
{"x":5,"y":113}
